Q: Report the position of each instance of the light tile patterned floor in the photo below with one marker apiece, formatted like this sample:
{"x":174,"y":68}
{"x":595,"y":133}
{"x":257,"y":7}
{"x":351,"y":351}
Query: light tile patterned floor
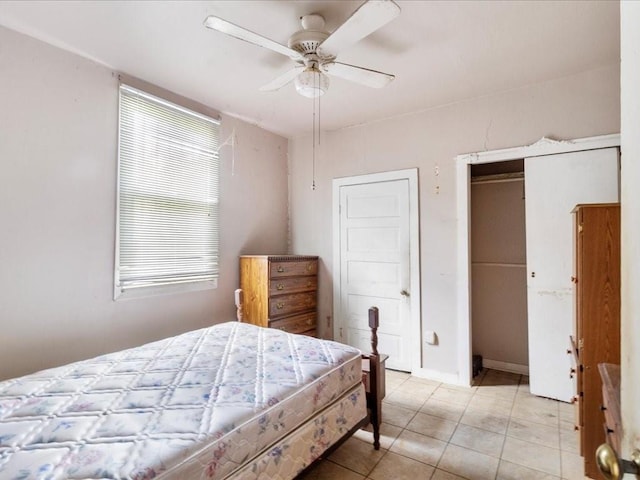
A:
{"x":494,"y":430}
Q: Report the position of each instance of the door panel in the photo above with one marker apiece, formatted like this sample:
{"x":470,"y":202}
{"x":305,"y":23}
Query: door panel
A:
{"x":358,"y":307}
{"x":554,"y":185}
{"x":386,"y":274}
{"x":375,"y":267}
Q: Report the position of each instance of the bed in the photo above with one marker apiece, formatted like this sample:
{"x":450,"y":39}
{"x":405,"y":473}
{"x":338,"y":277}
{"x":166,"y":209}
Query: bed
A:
{"x":229,"y":401}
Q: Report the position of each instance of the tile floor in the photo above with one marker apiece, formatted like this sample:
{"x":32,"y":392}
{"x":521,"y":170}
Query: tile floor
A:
{"x":493,"y":430}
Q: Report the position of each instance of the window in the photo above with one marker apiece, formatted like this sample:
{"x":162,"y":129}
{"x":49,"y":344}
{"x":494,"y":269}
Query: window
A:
{"x":167,"y":220}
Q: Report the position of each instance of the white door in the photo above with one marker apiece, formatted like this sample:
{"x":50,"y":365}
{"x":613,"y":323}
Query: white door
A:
{"x":554,"y":185}
{"x":375,"y":268}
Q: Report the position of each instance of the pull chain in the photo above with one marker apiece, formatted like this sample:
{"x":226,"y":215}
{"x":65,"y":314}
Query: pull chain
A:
{"x":313,"y":147}
{"x":319,"y":118}
{"x":313,"y":128}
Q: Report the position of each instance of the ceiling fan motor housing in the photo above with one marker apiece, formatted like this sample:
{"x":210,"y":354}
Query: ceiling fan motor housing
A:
{"x":308,"y":40}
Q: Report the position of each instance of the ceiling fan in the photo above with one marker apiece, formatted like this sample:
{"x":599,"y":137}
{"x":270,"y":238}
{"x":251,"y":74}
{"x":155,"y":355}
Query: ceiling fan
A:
{"x":314,"y":50}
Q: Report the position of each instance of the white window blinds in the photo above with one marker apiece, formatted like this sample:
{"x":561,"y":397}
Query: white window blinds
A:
{"x":168,"y":194}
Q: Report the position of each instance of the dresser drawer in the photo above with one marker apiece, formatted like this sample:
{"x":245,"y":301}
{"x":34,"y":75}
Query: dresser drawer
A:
{"x":609,"y":417}
{"x":292,"y":269}
{"x":283,"y":305}
{"x":295,"y":324}
{"x":612,"y":423}
{"x":292,"y":285}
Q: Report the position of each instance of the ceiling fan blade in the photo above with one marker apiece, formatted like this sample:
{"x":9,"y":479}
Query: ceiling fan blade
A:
{"x":216,"y":23}
{"x":368,"y":18}
{"x":364,"y":76}
{"x":282,"y":80}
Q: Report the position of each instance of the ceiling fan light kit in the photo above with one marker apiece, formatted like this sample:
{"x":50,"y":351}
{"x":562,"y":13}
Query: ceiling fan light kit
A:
{"x":314,"y":50}
{"x":311,"y":83}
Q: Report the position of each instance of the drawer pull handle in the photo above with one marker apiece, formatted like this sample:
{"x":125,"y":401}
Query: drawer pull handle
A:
{"x":309,"y":267}
{"x":308,"y":284}
{"x":280,"y":286}
{"x":280,"y":269}
{"x":280,"y":305}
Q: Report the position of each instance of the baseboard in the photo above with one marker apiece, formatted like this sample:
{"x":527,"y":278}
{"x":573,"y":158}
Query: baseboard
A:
{"x":449,"y":378}
{"x":505,"y":366}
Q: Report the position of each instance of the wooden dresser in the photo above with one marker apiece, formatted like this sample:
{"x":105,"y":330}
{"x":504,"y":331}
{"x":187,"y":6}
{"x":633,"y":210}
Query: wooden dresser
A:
{"x":280,"y":291}
{"x":597,"y":320}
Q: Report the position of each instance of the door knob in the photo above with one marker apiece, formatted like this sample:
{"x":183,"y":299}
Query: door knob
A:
{"x":608,"y":463}
{"x":611,"y":467}
{"x":404,"y":293}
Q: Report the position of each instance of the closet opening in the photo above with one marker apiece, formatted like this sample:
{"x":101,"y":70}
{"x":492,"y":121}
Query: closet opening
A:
{"x":499,"y":328}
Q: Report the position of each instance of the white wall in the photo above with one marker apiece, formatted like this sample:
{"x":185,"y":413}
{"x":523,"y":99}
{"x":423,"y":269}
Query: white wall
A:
{"x":630,"y":209}
{"x":58,"y":139}
{"x":582,"y":105}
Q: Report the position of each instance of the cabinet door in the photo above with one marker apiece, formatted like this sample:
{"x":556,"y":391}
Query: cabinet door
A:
{"x":554,"y":184}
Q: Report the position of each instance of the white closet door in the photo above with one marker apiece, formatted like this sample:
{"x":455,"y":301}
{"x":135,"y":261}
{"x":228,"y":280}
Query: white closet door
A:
{"x":554,"y":185}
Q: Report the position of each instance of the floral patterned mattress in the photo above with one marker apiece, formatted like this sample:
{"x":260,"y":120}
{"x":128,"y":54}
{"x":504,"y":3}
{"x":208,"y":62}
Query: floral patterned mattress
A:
{"x":206,"y":401}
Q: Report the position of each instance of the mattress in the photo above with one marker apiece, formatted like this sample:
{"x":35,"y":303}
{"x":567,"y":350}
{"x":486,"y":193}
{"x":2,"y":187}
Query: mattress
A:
{"x":198,"y":405}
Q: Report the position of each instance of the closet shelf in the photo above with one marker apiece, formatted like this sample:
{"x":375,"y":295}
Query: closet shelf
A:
{"x":496,"y":264}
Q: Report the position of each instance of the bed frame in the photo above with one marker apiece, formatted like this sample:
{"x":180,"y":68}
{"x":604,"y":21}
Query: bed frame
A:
{"x":373,"y":376}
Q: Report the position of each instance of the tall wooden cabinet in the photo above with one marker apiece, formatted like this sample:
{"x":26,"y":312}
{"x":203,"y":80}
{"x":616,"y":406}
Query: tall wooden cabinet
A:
{"x":280,"y":291}
{"x":597,"y":320}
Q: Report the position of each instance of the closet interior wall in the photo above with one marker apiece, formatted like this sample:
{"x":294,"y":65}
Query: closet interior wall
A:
{"x":498,"y":266}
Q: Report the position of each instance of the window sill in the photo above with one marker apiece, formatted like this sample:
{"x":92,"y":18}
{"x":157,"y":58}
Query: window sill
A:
{"x":158,"y":290}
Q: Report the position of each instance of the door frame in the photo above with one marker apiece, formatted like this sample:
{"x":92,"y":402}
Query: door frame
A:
{"x":544,"y":146}
{"x":411,"y":175}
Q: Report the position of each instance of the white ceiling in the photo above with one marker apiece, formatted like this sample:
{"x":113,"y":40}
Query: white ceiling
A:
{"x":440,"y":52}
